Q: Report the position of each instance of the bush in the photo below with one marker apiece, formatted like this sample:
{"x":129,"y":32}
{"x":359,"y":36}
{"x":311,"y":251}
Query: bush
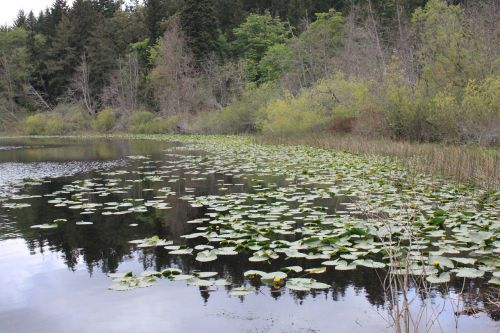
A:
{"x":64,"y":119}
{"x":55,"y":126}
{"x":444,"y":114}
{"x":481,"y":111}
{"x":105,"y":120}
{"x":138,"y":120}
{"x":239,"y":117}
{"x":35,"y":124}
{"x":333,"y":104}
{"x":286,"y":116}
{"x":75,"y":119}
{"x":144,"y":122}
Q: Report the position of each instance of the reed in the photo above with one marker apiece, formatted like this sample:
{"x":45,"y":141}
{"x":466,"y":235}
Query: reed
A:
{"x":472,"y":165}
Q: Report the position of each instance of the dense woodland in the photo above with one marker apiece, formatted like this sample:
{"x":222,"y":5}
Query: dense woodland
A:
{"x":405,"y":69}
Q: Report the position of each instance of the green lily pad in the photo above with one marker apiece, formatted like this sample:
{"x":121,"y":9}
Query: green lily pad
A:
{"x":207,"y":255}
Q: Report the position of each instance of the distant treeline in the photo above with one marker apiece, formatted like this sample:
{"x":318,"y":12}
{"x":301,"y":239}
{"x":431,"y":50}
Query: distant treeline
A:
{"x":422,"y":70}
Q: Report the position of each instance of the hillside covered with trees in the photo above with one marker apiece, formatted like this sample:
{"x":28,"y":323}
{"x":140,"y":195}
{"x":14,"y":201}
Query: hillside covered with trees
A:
{"x":415,"y":70}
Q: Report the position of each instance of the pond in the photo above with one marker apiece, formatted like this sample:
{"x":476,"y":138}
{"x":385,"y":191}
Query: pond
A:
{"x":220,"y":234}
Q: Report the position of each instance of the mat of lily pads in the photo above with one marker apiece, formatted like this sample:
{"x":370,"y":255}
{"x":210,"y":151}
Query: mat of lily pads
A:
{"x":433,"y":228}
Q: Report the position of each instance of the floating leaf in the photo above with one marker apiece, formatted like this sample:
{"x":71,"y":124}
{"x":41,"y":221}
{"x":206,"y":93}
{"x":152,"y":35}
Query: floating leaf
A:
{"x":241,"y":291}
{"x":204,"y":275}
{"x":369,"y":263}
{"x":443,"y":278}
{"x":200,"y":282}
{"x":440,"y":261}
{"x":252,"y":273}
{"x":318,"y":270}
{"x":296,"y":269}
{"x":181,"y":251}
{"x":207,"y":255}
{"x":470,"y":273}
{"x":273,"y":276}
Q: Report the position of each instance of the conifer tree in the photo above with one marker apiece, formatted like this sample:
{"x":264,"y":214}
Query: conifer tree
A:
{"x":199,"y":23}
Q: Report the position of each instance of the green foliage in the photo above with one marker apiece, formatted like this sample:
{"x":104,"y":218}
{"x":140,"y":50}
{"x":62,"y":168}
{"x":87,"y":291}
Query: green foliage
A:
{"x":280,"y":118}
{"x":316,"y":48}
{"x":144,"y":122}
{"x":63,"y":120}
{"x":330,"y":104}
{"x":105,"y":120}
{"x":240,"y":116}
{"x":440,"y":32}
{"x":199,"y":23}
{"x":481,"y":107}
{"x":55,"y":126}
{"x":409,"y":70}
{"x":276,"y":62}
{"x":403,"y":106}
{"x":73,"y":116}
{"x":292,"y":115}
{"x":14,"y":64}
{"x":328,"y":28}
{"x":254,"y":38}
{"x":35,"y":124}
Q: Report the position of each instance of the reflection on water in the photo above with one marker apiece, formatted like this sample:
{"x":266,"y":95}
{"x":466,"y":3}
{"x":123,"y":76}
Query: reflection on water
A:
{"x":57,"y":277}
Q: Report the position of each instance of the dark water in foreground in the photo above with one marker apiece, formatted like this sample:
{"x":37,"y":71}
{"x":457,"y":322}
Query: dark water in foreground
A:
{"x":56,"y":280}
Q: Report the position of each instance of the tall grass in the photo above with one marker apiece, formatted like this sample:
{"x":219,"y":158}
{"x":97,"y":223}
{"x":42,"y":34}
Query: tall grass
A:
{"x":478,"y":166}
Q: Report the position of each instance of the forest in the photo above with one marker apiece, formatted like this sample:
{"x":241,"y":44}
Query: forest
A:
{"x":414,"y":70}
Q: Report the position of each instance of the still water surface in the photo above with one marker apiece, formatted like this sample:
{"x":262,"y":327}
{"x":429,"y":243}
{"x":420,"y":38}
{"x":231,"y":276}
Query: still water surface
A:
{"x":56,"y":280}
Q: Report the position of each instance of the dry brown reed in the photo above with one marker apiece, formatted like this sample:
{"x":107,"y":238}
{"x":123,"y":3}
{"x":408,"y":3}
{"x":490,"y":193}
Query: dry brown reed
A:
{"x":474,"y":165}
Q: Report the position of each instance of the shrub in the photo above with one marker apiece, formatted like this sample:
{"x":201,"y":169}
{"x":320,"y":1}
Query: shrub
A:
{"x":444,"y":114}
{"x":46,"y":124}
{"x":139,"y":121}
{"x":35,"y":124}
{"x":55,"y":126}
{"x":105,"y":120}
{"x":330,"y":104}
{"x":284,"y":116}
{"x":75,"y":119}
{"x":481,"y":111}
{"x":241,"y":116}
{"x":147,"y":123}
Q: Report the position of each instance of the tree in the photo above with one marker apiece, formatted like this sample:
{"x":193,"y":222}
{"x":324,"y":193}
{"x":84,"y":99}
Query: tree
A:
{"x":36,"y":49}
{"x":315,"y":49}
{"x":440,"y":36}
{"x":174,"y":73}
{"x":81,"y":86}
{"x":254,"y":37}
{"x":199,"y":23}
{"x":155,"y":13}
{"x":230,"y":14}
{"x":122,"y":93}
{"x":107,"y":7}
{"x":14,"y":67}
{"x":20,"y":21}
{"x":55,"y":15}
{"x":276,"y":62}
{"x":62,"y":60}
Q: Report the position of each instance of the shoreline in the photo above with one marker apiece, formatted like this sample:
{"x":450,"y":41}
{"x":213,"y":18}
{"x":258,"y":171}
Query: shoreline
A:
{"x":467,"y":165}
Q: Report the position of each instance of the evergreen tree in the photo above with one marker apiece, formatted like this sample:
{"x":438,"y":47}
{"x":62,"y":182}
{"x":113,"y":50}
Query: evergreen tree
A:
{"x":199,"y":23}
{"x":102,"y":56}
{"x":230,"y":14}
{"x":107,"y":7}
{"x":55,"y":15}
{"x":62,"y":60}
{"x":155,"y":13}
{"x":20,"y":21}
{"x":34,"y":52}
